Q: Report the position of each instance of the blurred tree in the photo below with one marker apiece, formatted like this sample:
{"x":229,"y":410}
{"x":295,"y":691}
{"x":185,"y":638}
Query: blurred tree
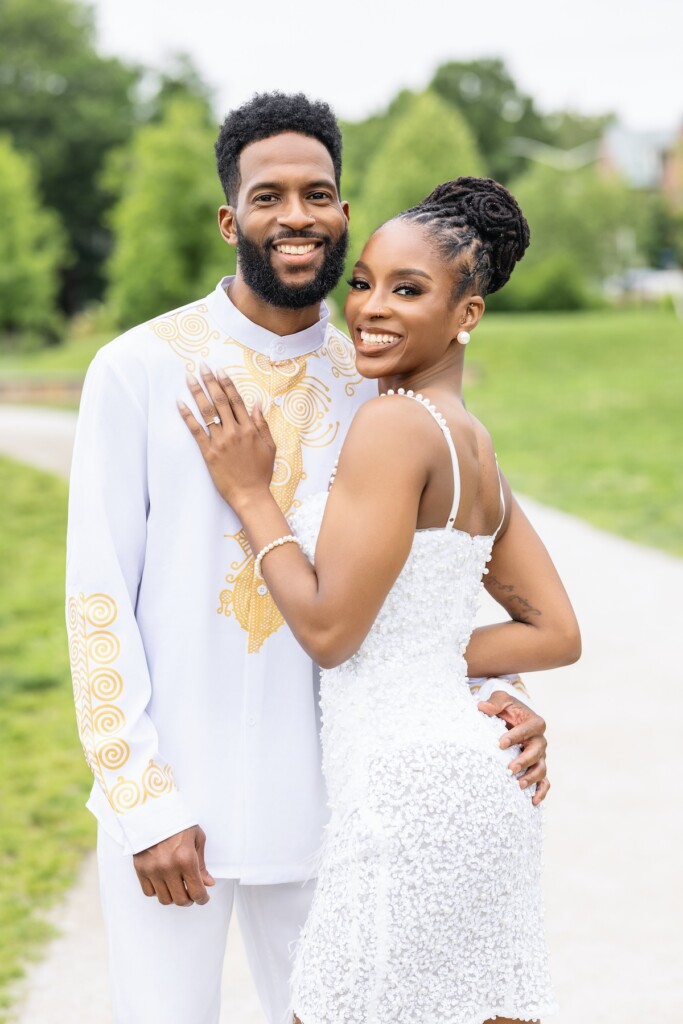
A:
{"x":67,"y":106}
{"x":31,"y":248}
{"x":168,"y":249}
{"x":566,"y":129}
{"x":494,"y":108}
{"x":361,"y":140}
{"x":583,"y":226}
{"x":179,"y":78}
{"x":426,"y":141}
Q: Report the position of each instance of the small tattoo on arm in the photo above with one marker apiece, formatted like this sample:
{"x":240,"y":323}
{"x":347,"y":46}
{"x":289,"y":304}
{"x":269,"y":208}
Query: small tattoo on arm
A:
{"x":523,"y":608}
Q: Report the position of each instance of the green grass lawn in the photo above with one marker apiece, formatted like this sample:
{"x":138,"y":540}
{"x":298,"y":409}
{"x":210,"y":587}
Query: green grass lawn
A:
{"x":44,"y":827}
{"x":586,"y":412}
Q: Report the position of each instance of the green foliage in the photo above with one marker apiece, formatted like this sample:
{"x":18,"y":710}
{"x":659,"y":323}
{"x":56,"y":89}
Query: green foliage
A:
{"x":44,"y":782}
{"x":583,"y":229}
{"x":31,"y":250}
{"x":67,"y":106}
{"x":485,"y":94}
{"x":425,"y":142}
{"x":168,"y":248}
{"x":586,"y":413}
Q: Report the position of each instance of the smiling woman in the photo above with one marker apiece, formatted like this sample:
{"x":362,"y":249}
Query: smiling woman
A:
{"x":412,"y":917}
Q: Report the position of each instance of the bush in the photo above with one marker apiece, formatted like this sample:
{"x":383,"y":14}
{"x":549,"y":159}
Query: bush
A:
{"x":31,"y":249}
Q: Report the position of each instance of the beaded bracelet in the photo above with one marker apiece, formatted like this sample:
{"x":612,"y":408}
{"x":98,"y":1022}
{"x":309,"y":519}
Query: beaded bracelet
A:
{"x":289,"y":539}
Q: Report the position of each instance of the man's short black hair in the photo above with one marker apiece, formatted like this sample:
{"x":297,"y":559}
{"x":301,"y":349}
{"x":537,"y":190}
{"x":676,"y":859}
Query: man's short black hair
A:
{"x":271,"y":113}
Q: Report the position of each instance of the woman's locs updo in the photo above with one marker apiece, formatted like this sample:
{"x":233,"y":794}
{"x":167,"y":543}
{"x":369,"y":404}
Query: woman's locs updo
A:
{"x":479,"y":222}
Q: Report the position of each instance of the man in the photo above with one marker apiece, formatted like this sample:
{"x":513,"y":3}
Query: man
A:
{"x":197,"y":709}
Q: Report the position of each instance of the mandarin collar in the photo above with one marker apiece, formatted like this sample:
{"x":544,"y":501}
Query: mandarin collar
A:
{"x":276,"y":347}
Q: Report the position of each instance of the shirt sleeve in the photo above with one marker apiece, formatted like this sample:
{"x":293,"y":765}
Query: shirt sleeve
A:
{"x":108,"y":506}
{"x":482,"y":688}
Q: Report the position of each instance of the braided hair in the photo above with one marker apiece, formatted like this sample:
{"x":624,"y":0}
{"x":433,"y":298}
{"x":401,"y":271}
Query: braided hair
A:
{"x":477,"y":220}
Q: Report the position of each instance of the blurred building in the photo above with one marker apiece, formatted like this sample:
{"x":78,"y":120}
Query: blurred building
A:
{"x":646,"y":160}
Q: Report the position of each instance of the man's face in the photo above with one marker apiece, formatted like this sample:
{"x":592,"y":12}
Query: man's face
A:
{"x":290,"y":227}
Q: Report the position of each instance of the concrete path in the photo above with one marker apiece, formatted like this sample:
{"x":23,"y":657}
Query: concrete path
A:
{"x":614,"y":821}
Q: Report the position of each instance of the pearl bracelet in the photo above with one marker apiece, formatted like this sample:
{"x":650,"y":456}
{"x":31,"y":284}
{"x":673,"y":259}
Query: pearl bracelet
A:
{"x":289,"y":539}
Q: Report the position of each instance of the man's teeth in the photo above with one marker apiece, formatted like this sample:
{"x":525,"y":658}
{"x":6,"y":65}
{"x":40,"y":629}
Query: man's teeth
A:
{"x":296,"y":250}
{"x":378,"y":339}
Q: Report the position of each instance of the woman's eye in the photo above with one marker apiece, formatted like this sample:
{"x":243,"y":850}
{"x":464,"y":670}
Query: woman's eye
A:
{"x":407,"y":289}
{"x":357,"y":284}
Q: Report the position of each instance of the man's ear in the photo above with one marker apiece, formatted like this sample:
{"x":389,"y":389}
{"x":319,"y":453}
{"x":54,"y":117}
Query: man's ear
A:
{"x":227,"y":224}
{"x":346,"y":209}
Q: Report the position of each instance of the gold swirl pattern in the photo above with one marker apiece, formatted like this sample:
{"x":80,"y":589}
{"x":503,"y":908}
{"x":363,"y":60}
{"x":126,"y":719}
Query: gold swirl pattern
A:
{"x":342,"y":355}
{"x":93,"y":649}
{"x":108,"y":719}
{"x":189,"y":333}
{"x":155,"y":780}
{"x":297,"y":408}
{"x":113,"y":753}
{"x":103,"y":647}
{"x":125,"y":795}
{"x":106,"y":684}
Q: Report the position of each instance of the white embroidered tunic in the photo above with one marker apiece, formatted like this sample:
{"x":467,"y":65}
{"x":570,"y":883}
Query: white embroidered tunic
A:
{"x":195,"y":703}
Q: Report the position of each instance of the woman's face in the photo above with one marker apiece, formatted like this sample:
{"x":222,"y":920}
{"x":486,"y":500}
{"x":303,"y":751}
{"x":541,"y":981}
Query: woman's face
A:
{"x":400,"y":310}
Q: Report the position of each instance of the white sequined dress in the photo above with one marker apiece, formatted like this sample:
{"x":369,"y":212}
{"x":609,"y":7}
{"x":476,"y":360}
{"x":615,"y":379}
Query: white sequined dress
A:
{"x":428,"y":907}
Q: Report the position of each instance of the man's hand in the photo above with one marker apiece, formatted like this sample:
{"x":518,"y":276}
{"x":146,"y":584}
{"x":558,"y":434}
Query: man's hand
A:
{"x":527,"y":729}
{"x":174,"y":870}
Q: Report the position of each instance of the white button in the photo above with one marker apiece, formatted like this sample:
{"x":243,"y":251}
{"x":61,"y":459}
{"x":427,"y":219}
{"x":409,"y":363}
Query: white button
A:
{"x":262,"y":590}
{"x":279,"y":347}
{"x":251,"y":720}
{"x":277,"y":400}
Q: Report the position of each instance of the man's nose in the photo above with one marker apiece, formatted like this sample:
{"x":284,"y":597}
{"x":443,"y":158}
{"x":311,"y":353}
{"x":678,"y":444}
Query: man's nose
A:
{"x":296,"y":216}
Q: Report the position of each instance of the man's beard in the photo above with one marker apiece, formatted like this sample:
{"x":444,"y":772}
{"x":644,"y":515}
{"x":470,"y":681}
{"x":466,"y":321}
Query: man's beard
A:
{"x":255,"y":263}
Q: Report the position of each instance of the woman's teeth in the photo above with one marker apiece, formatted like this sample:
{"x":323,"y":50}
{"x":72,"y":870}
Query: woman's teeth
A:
{"x":296,"y":250}
{"x":378,"y":339}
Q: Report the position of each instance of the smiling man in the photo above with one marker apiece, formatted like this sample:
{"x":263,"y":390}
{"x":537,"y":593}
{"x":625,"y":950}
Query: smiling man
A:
{"x":196,"y":707}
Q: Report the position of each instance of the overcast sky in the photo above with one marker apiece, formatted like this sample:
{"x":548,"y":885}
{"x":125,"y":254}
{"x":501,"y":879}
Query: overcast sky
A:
{"x":588,"y":55}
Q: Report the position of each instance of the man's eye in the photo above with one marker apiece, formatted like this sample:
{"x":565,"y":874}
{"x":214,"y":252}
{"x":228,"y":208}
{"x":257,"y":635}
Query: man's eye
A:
{"x":319,"y":195}
{"x":357,"y":284}
{"x":267,"y":197}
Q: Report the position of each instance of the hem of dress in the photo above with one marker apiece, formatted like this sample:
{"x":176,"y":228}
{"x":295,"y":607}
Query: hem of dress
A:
{"x":545,"y":1010}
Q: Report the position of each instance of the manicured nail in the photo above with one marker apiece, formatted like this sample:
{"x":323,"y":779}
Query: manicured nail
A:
{"x":523,"y":784}
{"x":204,"y":368}
{"x":181,"y":405}
{"x":222,"y":374}
{"x":191,"y":379}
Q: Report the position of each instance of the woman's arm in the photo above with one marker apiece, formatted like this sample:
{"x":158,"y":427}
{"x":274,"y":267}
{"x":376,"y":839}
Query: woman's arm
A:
{"x":543,"y":631}
{"x":368,"y":526}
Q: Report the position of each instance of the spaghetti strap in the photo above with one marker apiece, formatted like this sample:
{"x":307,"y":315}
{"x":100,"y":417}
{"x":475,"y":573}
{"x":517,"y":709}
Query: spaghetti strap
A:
{"x":502,"y":501}
{"x":451,"y":447}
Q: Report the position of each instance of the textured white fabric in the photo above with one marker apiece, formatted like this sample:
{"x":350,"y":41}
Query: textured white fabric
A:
{"x":166,"y":962}
{"x":428,"y":906}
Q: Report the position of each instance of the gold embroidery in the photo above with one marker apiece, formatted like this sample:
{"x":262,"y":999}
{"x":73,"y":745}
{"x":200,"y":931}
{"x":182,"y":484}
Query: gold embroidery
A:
{"x":188,"y":332}
{"x":342,"y":356}
{"x":93,"y":649}
{"x":297,"y":409}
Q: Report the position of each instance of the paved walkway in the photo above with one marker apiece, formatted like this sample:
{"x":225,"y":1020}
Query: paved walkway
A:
{"x":614,"y":822}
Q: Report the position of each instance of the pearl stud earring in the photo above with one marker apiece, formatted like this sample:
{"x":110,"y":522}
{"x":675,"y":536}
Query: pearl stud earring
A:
{"x":463,"y":337}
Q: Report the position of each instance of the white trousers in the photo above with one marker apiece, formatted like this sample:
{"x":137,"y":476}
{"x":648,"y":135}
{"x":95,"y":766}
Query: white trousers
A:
{"x":165,"y":963}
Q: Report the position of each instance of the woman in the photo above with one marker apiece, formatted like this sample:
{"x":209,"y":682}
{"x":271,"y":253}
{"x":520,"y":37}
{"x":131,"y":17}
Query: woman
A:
{"x":428,"y":904}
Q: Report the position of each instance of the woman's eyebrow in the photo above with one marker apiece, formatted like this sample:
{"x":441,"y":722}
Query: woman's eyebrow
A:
{"x":400,"y":272}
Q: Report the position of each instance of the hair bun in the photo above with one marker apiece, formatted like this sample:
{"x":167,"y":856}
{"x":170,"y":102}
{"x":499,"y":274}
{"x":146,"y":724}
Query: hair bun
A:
{"x":493,"y":213}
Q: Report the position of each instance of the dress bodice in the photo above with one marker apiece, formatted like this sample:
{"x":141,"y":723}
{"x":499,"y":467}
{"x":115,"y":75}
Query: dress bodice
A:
{"x":431,"y":607}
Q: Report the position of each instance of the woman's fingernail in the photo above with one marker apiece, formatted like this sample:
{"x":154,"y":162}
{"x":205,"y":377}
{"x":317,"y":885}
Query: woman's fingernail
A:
{"x":222,"y":374}
{"x":204,"y":368}
{"x":191,"y":379}
{"x":523,"y":784}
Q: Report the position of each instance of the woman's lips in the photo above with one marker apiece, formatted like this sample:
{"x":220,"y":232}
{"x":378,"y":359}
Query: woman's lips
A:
{"x":376,"y":342}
